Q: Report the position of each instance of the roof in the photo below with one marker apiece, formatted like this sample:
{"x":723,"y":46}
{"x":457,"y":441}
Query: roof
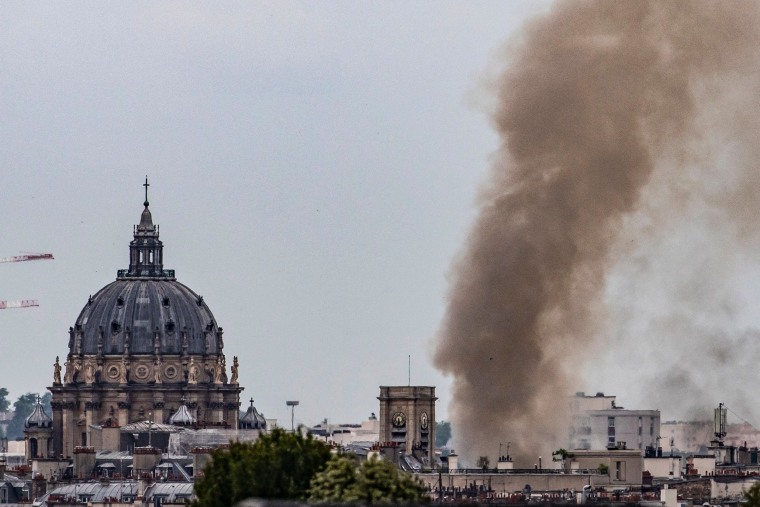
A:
{"x":100,"y":491}
{"x":146,"y":308}
{"x":182,"y":416}
{"x":38,"y":418}
{"x":150,"y":426}
{"x":252,"y":419}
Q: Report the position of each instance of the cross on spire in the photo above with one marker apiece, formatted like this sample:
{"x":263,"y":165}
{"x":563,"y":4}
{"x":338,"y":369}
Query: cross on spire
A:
{"x":146,"y":185}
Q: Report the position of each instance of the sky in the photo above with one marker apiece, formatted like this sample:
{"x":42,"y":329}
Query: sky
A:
{"x":313,"y":167}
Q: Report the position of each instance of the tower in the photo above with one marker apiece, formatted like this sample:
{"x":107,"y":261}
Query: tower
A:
{"x":407,"y":419}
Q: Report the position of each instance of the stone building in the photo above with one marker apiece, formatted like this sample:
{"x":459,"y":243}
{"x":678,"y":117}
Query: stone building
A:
{"x":407,"y":420}
{"x":144,"y":347}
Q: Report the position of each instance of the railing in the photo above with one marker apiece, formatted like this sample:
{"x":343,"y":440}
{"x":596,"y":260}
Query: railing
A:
{"x":534,"y":471}
{"x":165,"y":273}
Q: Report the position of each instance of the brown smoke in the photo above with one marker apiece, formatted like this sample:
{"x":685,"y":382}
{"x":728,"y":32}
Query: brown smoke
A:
{"x":595,"y":96}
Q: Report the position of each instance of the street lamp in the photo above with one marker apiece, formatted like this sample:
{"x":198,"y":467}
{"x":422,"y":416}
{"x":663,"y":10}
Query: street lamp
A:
{"x":292,"y":404}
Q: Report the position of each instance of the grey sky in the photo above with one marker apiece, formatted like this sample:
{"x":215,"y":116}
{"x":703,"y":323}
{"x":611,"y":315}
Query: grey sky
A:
{"x":313,"y":168}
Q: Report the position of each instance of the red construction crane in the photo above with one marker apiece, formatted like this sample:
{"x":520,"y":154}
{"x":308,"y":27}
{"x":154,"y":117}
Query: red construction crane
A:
{"x":19,"y":258}
{"x":27,"y":257}
{"x":18,"y":304}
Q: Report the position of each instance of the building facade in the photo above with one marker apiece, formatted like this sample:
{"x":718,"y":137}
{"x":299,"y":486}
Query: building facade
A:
{"x":142,"y":348}
{"x":407,"y":419}
{"x":598,"y":423}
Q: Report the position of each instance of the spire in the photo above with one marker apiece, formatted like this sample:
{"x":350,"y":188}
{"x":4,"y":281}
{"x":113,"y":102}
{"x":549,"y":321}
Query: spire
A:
{"x":146,"y":252}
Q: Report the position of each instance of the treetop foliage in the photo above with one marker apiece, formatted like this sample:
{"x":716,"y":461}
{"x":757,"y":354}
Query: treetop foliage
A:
{"x":374,"y":481}
{"x":279,"y":465}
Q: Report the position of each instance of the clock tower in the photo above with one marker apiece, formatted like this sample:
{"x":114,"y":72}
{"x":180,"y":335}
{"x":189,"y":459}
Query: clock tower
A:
{"x":407,"y":419}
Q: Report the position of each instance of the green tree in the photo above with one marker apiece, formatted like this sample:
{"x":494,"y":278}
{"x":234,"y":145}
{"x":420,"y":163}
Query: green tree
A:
{"x":442,"y":433}
{"x":22,"y":407}
{"x":47,"y":398}
{"x":484,"y":462}
{"x":4,"y":403}
{"x":279,"y":465}
{"x":374,"y":481}
{"x":336,"y":483}
{"x":752,"y":496}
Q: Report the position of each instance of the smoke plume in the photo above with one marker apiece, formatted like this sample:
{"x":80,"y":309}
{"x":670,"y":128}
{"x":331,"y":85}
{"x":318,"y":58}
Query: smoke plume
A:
{"x":609,"y":115}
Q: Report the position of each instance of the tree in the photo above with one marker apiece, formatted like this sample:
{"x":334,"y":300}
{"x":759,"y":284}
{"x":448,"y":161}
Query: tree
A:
{"x":4,"y":403}
{"x":278,"y":465}
{"x":484,"y":462}
{"x":374,"y":481}
{"x":442,"y":433}
{"x":22,"y":407}
{"x":336,"y":483}
{"x":752,"y":496}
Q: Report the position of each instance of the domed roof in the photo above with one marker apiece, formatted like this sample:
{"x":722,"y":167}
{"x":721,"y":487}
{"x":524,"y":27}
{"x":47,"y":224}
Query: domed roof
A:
{"x":146,"y":310}
{"x":252,"y":419}
{"x":134,"y":311}
{"x":38,"y":417}
{"x":182,"y":417}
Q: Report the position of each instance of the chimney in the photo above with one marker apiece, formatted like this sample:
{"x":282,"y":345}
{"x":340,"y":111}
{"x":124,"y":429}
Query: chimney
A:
{"x":201,"y":458}
{"x":84,"y":461}
{"x":145,"y":459}
{"x":453,"y":462}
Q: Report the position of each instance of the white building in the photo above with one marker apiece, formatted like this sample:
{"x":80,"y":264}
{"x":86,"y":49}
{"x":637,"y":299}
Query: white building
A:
{"x":598,"y":423}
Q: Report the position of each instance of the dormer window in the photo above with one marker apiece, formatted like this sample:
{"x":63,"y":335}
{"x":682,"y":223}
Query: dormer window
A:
{"x":115,"y":327}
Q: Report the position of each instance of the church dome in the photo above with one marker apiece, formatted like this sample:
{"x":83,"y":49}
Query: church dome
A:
{"x":131,"y":312}
{"x":38,"y":417}
{"x":146,"y":310}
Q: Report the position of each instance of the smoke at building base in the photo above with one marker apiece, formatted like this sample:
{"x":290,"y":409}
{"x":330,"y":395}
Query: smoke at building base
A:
{"x":597,"y":102}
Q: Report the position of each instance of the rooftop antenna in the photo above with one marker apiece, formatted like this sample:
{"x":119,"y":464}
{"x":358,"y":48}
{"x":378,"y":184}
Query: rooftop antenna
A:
{"x":409,"y":369}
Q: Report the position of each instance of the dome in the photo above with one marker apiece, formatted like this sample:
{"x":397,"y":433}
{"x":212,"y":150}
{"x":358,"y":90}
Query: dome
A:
{"x":182,"y":417}
{"x":252,"y":419}
{"x":38,"y":417}
{"x":144,"y":346}
{"x":135,"y":311}
{"x":146,"y":310}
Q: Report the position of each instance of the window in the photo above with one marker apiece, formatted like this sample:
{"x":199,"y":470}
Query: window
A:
{"x":620,"y":470}
{"x":611,"y":422}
